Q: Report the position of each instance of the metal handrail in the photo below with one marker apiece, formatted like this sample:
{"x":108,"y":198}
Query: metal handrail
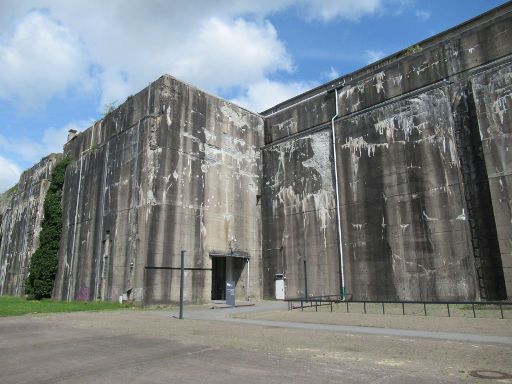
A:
{"x":336,"y":299}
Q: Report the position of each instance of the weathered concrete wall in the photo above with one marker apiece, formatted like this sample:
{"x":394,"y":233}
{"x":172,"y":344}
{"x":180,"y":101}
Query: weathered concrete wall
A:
{"x":440,"y":246}
{"x":417,"y":215}
{"x":493,"y":99}
{"x":404,"y":227}
{"x":173,"y":168}
{"x":20,"y":222}
{"x":299,"y":217}
{"x":297,"y":118}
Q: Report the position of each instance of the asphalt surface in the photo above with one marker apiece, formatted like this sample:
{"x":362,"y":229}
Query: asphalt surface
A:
{"x":209,"y":346}
{"x":226,"y":314}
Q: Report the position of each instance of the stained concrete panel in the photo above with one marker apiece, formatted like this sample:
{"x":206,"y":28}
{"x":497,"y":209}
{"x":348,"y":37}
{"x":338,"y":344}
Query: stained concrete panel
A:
{"x":299,"y":216}
{"x":403,"y":225}
{"x":297,"y":118}
{"x":493,"y":99}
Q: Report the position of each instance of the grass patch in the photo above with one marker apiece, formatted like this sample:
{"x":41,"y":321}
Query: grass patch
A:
{"x":16,"y":306}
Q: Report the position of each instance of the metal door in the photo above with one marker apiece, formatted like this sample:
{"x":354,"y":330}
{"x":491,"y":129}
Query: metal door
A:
{"x":279,"y":287}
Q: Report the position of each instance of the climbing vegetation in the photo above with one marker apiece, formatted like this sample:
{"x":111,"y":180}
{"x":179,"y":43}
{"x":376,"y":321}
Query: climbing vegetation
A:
{"x":43,"y":264}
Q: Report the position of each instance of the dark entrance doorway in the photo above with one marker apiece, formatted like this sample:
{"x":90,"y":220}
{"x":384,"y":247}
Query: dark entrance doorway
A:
{"x":218,"y":278}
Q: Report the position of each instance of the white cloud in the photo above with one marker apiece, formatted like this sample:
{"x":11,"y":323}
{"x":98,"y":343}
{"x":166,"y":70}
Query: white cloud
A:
{"x":373,"y":55}
{"x":423,"y":15}
{"x":55,"y":138}
{"x":31,"y":151}
{"x":227,"y":54}
{"x":39,"y":59}
{"x":327,"y":10}
{"x":265,"y":94}
{"x":219,"y":55}
{"x":203,"y":42}
{"x":215,"y":45}
{"x":9,"y":174}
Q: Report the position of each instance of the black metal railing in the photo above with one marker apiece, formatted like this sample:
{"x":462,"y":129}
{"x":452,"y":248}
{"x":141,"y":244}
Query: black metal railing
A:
{"x":328,"y":300}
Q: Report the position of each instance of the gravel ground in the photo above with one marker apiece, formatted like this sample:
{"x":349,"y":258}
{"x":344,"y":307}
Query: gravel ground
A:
{"x":152,"y":346}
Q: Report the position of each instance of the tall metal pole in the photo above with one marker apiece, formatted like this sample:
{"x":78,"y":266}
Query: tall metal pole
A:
{"x":338,"y":215}
{"x":305,"y":279}
{"x":182,"y":276}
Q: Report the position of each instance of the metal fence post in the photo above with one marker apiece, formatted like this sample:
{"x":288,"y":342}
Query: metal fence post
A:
{"x":448,"y":307}
{"x":403,"y":308}
{"x":425,"y":308}
{"x":473,"y":307}
{"x":305,"y":279}
{"x":501,"y":310}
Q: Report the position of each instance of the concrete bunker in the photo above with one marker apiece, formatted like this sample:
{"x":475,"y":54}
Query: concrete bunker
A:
{"x":422,"y":141}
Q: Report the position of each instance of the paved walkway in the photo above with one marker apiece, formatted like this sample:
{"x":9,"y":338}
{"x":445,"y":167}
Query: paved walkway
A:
{"x":225,"y":314}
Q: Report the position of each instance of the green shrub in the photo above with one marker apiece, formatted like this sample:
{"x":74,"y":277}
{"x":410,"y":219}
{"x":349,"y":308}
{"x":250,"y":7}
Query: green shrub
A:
{"x":413,"y":49}
{"x":44,"y":261}
{"x":109,"y":107}
{"x":11,"y":191}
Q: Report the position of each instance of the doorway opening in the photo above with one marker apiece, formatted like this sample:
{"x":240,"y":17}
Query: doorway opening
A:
{"x":218,"y":278}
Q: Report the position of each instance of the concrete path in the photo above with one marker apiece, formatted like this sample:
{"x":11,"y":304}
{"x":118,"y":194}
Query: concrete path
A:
{"x":226,"y":315}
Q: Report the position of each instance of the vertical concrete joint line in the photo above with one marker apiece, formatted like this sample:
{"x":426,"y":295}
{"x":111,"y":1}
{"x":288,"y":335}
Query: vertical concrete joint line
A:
{"x":72,"y":261}
{"x":102,"y":208}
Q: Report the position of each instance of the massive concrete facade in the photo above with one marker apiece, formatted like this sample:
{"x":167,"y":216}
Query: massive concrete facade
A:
{"x":172,"y":169}
{"x":422,"y":147}
{"x":422,"y":185}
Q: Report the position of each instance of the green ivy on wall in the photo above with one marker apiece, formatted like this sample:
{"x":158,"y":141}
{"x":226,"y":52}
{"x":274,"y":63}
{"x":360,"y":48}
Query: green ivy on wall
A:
{"x":44,"y":261}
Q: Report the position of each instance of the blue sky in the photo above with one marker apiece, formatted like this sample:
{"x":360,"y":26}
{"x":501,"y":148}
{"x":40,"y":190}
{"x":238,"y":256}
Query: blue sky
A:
{"x":62,"y":61}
